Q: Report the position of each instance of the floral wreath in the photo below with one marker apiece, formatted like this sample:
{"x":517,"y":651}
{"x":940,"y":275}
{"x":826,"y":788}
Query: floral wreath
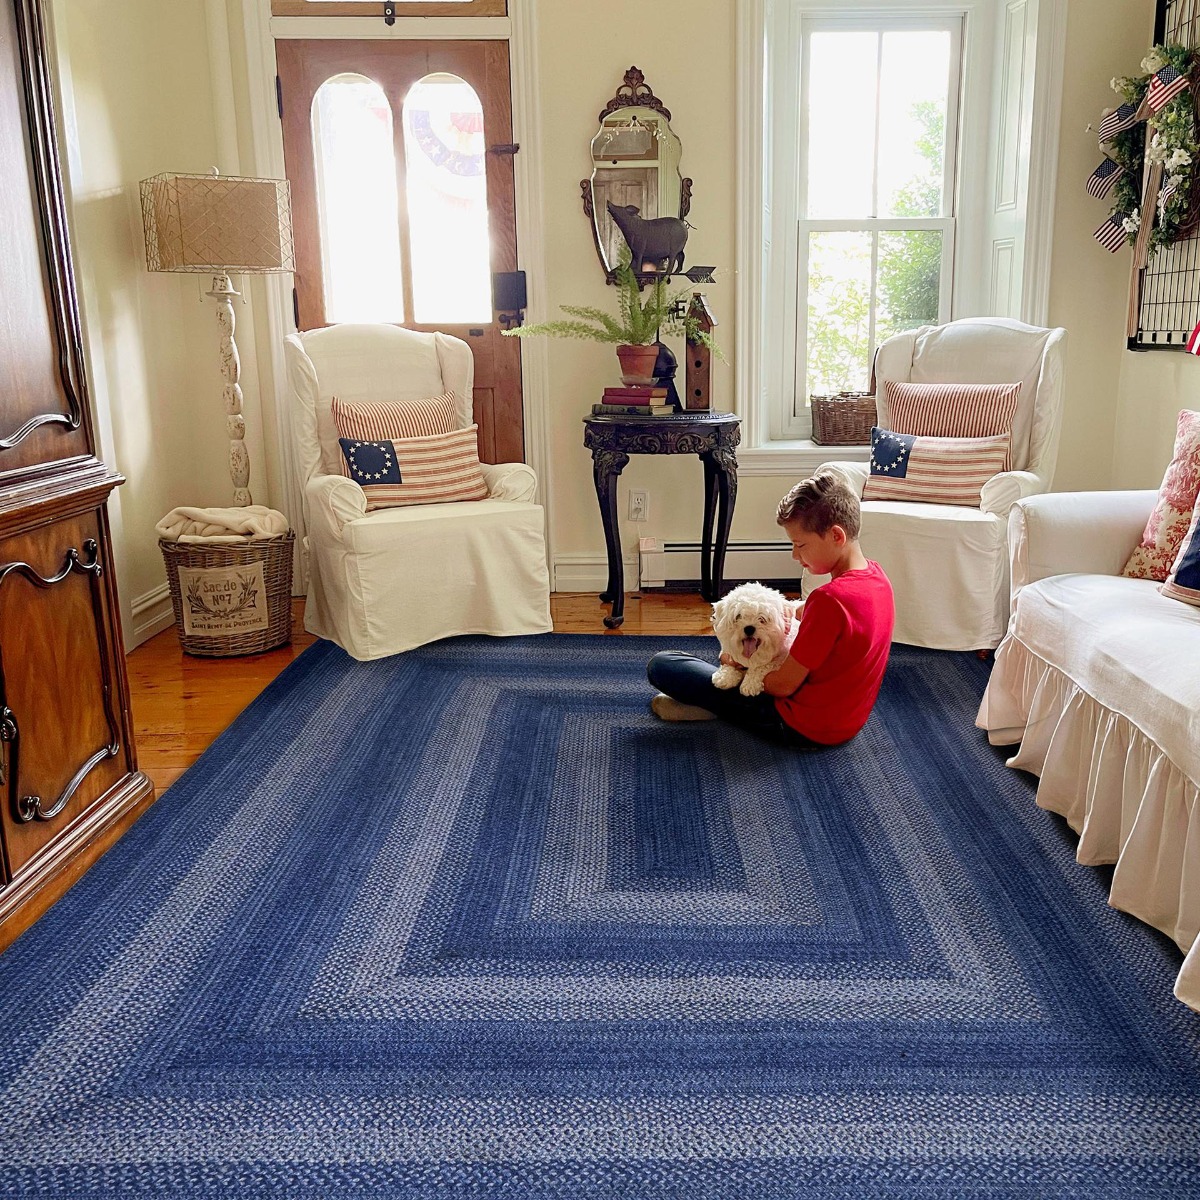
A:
{"x":1172,"y":143}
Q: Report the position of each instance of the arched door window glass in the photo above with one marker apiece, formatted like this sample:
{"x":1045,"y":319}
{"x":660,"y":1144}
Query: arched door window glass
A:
{"x":446,"y":191}
{"x":355,"y":159}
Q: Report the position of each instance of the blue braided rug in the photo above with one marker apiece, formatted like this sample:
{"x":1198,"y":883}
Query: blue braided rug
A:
{"x":469,"y":922}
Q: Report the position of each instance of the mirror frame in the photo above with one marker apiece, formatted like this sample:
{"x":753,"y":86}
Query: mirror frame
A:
{"x":633,"y":93}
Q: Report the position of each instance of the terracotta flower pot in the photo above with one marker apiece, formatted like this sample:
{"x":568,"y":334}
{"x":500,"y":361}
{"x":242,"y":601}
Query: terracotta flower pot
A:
{"x":637,"y":364}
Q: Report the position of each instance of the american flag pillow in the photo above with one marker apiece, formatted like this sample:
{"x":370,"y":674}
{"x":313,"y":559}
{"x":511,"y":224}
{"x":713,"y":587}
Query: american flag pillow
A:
{"x":383,"y":420}
{"x":934,"y":470}
{"x":952,"y":410}
{"x":418,"y":470}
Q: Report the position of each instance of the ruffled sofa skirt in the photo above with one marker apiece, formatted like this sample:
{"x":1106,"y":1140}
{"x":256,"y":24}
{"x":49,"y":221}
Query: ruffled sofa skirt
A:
{"x":1130,"y":804}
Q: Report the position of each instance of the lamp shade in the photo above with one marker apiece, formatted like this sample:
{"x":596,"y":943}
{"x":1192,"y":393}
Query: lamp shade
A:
{"x":213,"y":224}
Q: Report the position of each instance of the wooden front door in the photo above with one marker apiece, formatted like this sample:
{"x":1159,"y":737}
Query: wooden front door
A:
{"x":400,"y":160}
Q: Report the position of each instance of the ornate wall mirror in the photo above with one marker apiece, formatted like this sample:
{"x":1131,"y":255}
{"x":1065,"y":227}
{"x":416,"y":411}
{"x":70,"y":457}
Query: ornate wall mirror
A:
{"x":635,"y":162}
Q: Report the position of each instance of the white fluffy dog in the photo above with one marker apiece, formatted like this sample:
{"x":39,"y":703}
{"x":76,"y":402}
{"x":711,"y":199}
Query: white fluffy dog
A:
{"x":756,"y":627}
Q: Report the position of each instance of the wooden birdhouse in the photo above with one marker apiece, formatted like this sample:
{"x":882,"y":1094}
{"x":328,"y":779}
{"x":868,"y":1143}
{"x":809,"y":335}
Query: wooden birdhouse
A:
{"x":698,"y":368}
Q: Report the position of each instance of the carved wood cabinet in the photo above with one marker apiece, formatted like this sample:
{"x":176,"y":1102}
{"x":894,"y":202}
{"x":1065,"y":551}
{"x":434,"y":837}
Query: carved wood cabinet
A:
{"x":69,"y":782}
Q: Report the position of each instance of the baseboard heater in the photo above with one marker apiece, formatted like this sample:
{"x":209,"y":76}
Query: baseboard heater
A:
{"x":675,"y":566}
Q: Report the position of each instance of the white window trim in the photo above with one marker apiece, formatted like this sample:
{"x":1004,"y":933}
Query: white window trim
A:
{"x":761,"y":328}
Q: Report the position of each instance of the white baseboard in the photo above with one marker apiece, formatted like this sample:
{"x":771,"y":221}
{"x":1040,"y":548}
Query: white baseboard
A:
{"x":152,"y":614}
{"x":589,"y":572}
{"x":679,"y":563}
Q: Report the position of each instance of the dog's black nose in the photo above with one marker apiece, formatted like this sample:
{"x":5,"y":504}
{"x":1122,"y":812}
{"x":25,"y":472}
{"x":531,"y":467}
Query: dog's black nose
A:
{"x":749,"y":631}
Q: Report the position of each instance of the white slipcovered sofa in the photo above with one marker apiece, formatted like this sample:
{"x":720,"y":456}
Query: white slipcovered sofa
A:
{"x":1098,"y":680}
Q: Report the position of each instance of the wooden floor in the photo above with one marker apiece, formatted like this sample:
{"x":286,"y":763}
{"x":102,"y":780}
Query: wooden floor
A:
{"x":181,"y":703}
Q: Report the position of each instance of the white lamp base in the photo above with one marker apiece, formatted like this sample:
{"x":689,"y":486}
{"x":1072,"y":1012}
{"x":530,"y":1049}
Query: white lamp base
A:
{"x":231,"y":371}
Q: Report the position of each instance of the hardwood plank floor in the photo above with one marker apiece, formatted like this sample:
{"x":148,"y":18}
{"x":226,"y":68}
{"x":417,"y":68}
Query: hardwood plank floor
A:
{"x":180,"y":703}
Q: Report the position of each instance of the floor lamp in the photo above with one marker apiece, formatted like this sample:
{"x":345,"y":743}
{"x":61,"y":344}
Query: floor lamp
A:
{"x":221,"y":224}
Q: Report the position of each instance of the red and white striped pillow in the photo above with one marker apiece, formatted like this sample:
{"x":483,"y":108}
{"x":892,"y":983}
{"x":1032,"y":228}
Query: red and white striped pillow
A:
{"x":383,"y":420}
{"x":951,"y":410}
{"x":439,"y":469}
{"x":933,"y":470}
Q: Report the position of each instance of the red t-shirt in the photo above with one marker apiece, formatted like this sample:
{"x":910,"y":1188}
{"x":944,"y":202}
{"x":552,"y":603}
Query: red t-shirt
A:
{"x":844,"y":638}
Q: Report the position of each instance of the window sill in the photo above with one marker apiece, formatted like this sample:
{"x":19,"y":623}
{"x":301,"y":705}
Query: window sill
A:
{"x":798,"y":457}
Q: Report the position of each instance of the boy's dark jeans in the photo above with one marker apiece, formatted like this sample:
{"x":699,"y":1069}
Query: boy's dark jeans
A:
{"x":689,"y":680}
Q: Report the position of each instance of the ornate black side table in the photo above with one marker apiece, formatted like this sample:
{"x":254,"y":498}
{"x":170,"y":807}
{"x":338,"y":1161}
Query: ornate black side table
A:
{"x":713,"y":436}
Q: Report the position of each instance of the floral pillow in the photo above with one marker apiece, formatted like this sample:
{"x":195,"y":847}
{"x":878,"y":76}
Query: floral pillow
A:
{"x":1183,"y":583}
{"x":1153,"y":556}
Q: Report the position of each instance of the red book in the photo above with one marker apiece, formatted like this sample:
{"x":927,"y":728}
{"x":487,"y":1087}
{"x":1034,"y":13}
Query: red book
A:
{"x":634,"y":395}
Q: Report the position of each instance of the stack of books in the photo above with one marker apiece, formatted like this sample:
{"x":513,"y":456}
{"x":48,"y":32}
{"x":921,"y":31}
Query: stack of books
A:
{"x":644,"y":401}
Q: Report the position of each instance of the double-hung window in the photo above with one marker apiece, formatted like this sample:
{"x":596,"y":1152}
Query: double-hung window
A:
{"x":865,"y":188}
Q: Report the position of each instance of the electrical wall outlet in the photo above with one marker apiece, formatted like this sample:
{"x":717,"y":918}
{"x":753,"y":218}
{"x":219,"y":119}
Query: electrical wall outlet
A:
{"x":639,"y":506}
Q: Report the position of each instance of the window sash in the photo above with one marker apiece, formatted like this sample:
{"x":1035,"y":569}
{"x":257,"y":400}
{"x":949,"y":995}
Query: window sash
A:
{"x":797,"y":422}
{"x":789,"y":416}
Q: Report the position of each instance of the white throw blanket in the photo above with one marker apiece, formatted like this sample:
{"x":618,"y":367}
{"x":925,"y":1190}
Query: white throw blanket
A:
{"x":221,"y":524}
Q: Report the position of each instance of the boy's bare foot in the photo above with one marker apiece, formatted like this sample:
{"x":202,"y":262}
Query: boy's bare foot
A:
{"x":667,"y":708}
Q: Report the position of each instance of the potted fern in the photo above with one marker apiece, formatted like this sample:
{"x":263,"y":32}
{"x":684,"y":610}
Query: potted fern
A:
{"x":636,"y":328}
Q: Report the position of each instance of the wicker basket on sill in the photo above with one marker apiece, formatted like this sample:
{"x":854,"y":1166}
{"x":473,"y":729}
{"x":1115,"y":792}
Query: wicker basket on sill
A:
{"x":231,"y":598}
{"x":844,"y":419}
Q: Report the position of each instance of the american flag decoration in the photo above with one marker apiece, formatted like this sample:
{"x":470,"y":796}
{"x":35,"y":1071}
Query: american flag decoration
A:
{"x":1165,"y":193}
{"x":1193,"y":343}
{"x":1164,"y":87}
{"x":1117,"y":121}
{"x":1111,"y":235}
{"x":1104,"y":178}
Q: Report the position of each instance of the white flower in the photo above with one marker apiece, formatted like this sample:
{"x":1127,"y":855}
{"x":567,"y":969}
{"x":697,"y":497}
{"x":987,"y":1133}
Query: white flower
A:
{"x":1130,"y":223}
{"x":1179,"y":158}
{"x":1153,"y":62}
{"x":1115,"y":84}
{"x":1156,"y":151}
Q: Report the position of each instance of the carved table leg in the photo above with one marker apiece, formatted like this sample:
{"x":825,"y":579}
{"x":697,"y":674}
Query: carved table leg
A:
{"x":725,"y":462}
{"x":710,"y":508}
{"x":607,"y":466}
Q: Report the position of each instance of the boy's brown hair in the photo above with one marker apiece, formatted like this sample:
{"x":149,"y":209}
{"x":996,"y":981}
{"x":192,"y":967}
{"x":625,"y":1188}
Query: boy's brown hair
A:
{"x":819,"y":503}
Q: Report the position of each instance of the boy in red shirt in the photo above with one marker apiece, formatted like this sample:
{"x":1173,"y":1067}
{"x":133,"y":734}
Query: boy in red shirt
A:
{"x":825,"y":690}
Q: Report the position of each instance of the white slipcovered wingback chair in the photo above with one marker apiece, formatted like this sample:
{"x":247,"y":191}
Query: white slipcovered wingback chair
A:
{"x":949,"y":564}
{"x":384,"y":581}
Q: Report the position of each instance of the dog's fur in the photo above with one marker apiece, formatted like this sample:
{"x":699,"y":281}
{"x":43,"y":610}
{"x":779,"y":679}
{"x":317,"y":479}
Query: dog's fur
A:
{"x":773,"y":621}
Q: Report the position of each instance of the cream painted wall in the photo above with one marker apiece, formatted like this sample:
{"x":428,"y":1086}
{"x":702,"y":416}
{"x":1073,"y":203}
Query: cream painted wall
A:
{"x":137,"y":100}
{"x":1088,"y":286}
{"x":685,"y":48}
{"x":1122,"y":405}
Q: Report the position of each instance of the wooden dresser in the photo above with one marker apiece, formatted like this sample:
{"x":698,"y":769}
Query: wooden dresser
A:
{"x":69,"y":783}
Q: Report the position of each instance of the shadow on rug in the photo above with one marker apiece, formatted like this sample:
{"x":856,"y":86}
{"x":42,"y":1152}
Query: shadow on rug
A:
{"x":470,"y":922}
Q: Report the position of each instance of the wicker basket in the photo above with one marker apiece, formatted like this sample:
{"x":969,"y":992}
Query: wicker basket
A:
{"x":843,"y":420}
{"x":231,"y":597}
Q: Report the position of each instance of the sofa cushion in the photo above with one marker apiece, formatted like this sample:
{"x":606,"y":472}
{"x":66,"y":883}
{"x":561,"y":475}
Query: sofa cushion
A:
{"x":1128,"y":647}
